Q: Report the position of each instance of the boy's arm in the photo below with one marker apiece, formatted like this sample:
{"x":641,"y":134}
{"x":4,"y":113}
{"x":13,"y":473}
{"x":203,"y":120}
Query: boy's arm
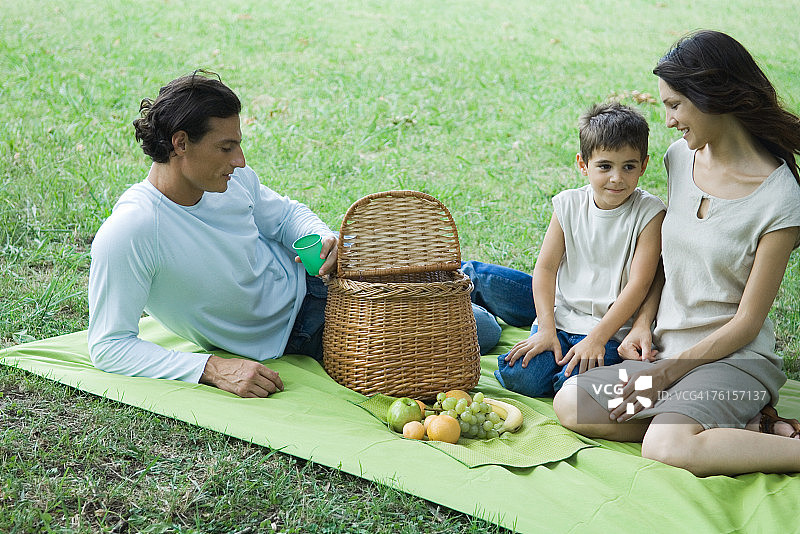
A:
{"x":124,"y":259}
{"x":643,"y":268}
{"x":638,"y":344}
{"x":544,"y":297}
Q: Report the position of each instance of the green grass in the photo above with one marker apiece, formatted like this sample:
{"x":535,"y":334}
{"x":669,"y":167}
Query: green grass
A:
{"x":77,"y":463}
{"x":473,"y":102}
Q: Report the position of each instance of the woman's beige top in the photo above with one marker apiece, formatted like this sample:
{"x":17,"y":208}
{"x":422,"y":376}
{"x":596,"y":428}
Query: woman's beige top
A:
{"x":707,"y":261}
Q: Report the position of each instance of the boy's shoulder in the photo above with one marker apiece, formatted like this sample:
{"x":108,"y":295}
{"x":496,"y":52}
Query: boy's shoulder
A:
{"x":644,"y":198}
{"x":576,"y":194}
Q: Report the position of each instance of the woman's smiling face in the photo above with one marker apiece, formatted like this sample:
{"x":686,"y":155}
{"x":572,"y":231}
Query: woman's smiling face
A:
{"x":698,"y":128}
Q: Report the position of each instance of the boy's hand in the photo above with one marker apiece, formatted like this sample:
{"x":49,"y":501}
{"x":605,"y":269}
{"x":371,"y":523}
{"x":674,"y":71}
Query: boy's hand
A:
{"x":538,"y":343}
{"x":638,"y":345}
{"x":588,"y":353}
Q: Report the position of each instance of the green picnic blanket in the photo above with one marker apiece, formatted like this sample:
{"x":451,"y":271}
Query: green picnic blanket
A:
{"x":598,"y":486}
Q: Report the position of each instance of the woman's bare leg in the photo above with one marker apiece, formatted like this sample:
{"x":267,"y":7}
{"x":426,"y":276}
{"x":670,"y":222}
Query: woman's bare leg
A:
{"x":679,"y":440}
{"x":578,"y":411}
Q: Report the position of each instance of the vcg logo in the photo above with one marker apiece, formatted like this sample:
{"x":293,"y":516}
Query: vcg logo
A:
{"x":642,"y":383}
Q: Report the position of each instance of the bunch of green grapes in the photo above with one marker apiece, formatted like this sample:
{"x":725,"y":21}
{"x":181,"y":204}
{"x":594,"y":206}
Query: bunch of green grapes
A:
{"x":476,"y":418}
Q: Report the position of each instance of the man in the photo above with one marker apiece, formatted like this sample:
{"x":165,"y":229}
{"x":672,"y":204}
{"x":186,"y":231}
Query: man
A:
{"x":204,"y":248}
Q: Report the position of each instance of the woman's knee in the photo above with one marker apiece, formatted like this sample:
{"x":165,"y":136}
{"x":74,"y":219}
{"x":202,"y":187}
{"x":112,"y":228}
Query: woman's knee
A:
{"x":578,"y":411}
{"x":672,"y":441}
{"x":565,"y":404}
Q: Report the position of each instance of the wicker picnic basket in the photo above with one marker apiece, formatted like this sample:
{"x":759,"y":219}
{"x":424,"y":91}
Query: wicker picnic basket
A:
{"x":399,"y":319}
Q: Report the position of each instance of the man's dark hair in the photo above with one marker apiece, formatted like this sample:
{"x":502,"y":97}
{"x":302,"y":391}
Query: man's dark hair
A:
{"x":185,"y":103}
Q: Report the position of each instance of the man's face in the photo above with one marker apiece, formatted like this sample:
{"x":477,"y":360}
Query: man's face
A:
{"x":207,"y":164}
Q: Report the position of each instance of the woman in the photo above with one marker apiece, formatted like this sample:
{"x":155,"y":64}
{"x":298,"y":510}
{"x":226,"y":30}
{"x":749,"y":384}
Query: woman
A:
{"x":732,"y":222}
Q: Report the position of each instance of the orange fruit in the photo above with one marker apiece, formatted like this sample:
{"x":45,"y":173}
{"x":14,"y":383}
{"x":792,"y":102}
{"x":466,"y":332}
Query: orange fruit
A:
{"x":459,"y":394}
{"x":421,"y":406}
{"x":413,"y":430}
{"x":444,"y":428}
{"x":428,"y":421}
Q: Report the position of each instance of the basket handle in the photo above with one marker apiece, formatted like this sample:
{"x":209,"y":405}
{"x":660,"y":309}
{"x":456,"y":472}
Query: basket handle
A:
{"x":397,"y":232}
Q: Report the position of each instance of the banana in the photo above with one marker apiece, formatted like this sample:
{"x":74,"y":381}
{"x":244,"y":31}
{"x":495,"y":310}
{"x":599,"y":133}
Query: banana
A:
{"x":511,"y":416}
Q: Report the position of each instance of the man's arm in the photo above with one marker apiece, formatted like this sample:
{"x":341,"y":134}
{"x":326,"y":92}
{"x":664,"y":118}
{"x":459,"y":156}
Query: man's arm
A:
{"x":281,"y":218}
{"x":119,"y":284}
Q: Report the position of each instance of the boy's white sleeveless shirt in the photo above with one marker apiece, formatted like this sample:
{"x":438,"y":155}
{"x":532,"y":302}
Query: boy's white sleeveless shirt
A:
{"x":599,"y":250}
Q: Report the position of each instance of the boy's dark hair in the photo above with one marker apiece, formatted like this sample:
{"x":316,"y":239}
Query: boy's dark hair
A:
{"x":612,"y":126}
{"x":185,"y":103}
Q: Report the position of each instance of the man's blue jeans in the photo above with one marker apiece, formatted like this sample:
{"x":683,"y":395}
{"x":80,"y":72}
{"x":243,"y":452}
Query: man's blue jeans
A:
{"x":543,"y":377}
{"x":306,"y":336}
{"x":499,"y":292}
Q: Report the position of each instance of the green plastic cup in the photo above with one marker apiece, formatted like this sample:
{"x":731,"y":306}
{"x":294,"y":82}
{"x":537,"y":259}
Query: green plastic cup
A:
{"x":309,"y":247}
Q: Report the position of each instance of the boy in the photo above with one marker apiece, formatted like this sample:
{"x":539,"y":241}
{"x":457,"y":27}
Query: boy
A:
{"x":597,"y":261}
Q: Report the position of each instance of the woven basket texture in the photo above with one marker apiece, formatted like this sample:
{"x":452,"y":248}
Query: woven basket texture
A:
{"x":399,"y":319}
{"x":397,"y":232}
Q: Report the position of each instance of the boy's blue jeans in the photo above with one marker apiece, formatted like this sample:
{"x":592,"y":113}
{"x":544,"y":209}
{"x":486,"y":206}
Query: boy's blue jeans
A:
{"x":499,"y":292}
{"x":543,"y":377}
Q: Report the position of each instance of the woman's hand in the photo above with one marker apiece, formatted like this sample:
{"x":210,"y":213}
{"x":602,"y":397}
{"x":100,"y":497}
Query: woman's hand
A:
{"x":588,"y":353}
{"x":538,"y":343}
{"x":638,"y":345}
{"x":641,"y":390}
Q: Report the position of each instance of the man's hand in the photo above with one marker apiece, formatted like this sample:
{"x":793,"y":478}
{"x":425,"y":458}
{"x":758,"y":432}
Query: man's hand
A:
{"x":245,"y":378}
{"x":330,"y":252}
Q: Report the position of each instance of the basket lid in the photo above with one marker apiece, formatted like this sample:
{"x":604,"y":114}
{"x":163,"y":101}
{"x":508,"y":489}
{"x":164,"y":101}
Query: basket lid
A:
{"x":397,"y":232}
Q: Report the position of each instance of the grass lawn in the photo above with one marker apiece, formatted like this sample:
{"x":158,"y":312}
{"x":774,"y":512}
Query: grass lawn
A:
{"x":474,"y":102}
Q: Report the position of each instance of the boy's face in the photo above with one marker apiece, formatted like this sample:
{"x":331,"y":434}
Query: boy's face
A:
{"x":613,"y":175}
